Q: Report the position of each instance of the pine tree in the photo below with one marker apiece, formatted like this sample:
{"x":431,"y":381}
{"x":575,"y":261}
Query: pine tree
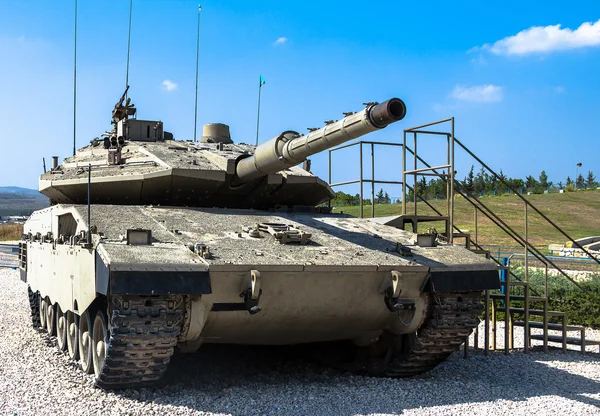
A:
{"x":379,"y":197}
{"x":569,"y":181}
{"x":544,"y":180}
{"x":591,"y":180}
{"x":579,"y":183}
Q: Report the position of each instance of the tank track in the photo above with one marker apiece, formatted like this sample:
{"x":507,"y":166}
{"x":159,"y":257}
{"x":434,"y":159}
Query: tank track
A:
{"x":143,"y":334}
{"x":451,"y":319}
{"x":34,"y":304}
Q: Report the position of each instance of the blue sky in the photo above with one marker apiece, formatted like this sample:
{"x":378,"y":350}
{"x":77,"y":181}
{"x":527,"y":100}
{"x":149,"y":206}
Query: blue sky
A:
{"x":522,"y":80}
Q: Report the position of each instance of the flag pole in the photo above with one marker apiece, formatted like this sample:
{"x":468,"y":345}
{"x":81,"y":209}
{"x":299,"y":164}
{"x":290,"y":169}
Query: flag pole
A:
{"x":75,"y":83}
{"x":260,"y":84}
{"x":197,"y":58}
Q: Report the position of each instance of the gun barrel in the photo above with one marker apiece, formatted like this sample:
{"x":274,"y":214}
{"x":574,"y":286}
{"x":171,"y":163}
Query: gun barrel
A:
{"x":290,"y":148}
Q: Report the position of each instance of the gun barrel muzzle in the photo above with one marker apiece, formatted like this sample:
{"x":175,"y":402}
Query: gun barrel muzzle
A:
{"x":387,"y":112}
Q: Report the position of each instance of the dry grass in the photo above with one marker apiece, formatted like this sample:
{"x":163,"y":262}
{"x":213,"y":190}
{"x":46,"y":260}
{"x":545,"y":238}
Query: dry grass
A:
{"x":10,"y":232}
{"x":578,"y":213}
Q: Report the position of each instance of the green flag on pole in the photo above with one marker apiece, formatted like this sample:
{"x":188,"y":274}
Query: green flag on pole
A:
{"x":261,"y":81}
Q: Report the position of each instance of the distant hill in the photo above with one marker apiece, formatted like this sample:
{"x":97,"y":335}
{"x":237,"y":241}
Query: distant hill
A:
{"x":20,"y":201}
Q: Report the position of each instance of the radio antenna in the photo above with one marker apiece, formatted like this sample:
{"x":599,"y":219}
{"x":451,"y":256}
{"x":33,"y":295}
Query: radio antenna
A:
{"x":75,"y":82}
{"x":197,"y":58}
{"x":128,"y":46}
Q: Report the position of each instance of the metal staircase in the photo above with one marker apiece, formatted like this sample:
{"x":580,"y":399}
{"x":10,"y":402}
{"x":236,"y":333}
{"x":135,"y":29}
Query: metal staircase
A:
{"x":518,"y":301}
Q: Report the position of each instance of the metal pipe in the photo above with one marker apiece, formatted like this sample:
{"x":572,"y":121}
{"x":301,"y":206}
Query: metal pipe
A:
{"x":429,"y":124}
{"x":361,"y":180}
{"x":365,"y":142}
{"x":486,"y":335}
{"x":329,"y":169}
{"x":526,"y":318}
{"x":526,"y":254}
{"x":448,"y":181}
{"x":54,"y":162}
{"x":451,"y":196}
{"x":89,"y":208}
{"x":416,"y":185}
{"x":372,"y":180}
{"x":404,"y":175}
{"x":507,"y":316}
{"x":476,"y":230}
{"x":426,"y":169}
{"x":365,"y":180}
{"x":435,"y":133}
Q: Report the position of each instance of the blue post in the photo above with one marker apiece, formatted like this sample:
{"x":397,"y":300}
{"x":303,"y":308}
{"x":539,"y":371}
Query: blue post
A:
{"x":495,"y":192}
{"x":505,"y":262}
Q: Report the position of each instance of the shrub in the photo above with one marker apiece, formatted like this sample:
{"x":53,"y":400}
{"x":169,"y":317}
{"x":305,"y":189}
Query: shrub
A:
{"x":581,"y":306}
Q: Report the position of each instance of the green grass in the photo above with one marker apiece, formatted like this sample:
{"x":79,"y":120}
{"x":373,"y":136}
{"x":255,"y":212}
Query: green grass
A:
{"x":577,"y":213}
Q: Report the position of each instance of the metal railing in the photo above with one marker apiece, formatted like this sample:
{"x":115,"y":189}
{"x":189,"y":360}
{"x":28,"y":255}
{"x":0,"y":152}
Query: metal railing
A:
{"x":362,"y":179}
{"x":431,"y":171}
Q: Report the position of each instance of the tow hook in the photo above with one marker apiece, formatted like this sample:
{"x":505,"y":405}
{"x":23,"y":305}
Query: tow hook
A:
{"x":392,"y":289}
{"x":251,"y":292}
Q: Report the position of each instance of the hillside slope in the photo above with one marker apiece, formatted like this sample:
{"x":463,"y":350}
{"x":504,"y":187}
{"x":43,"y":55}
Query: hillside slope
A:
{"x":20,"y":201}
{"x":578,"y":213}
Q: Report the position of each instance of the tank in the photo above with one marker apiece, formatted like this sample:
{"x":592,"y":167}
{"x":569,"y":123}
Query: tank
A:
{"x":154,"y":246}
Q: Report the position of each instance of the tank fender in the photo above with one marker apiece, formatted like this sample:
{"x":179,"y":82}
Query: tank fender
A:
{"x":441,"y":280}
{"x":102,"y":273}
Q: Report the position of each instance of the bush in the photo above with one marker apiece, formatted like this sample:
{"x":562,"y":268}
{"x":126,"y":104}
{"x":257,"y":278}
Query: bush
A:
{"x":581,"y":306}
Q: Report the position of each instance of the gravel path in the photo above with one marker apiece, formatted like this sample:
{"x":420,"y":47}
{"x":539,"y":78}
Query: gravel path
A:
{"x":36,"y":379}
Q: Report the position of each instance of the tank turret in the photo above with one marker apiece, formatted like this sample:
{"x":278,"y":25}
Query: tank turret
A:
{"x":138,"y":162}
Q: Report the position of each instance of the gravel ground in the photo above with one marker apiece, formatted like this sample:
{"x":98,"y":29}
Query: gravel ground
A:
{"x":37,"y":379}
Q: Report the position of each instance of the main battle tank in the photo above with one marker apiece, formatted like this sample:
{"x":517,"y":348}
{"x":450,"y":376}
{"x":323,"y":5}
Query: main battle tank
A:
{"x":153,"y":246}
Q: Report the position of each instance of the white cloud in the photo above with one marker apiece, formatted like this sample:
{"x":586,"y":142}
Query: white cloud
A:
{"x":477,"y":93}
{"x":169,"y":85}
{"x":280,"y":41}
{"x":539,"y":39}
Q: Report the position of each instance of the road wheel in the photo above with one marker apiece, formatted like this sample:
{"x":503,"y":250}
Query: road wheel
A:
{"x":50,"y":318}
{"x":43,"y":312}
{"x":61,"y":328}
{"x":100,"y":342}
{"x":72,"y":322}
{"x":85,"y":343}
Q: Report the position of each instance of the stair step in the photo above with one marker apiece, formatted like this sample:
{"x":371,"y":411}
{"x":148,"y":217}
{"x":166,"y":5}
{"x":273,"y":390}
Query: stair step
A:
{"x":552,"y":326}
{"x":517,"y":283}
{"x":461,"y":235}
{"x":570,"y":340}
{"x":476,"y":251}
{"x":423,"y":218}
{"x":519,"y":297}
{"x":532,"y":311}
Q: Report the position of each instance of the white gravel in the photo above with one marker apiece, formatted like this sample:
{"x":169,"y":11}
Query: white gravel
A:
{"x":36,"y":379}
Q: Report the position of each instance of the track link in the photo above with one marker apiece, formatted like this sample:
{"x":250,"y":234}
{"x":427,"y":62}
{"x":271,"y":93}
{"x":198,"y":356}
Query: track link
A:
{"x":143,"y":334}
{"x":451,"y":319}
{"x":34,"y":304}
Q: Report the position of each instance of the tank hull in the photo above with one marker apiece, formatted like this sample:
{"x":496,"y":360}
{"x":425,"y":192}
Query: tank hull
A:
{"x":220,"y":276}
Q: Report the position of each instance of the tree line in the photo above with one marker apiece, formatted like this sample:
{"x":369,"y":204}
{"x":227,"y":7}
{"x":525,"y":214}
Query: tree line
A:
{"x":476,"y":184}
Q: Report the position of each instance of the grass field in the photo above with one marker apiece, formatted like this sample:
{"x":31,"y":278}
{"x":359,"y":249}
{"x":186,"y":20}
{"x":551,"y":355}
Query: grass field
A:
{"x":577,"y":213}
{"x":10,"y":232}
